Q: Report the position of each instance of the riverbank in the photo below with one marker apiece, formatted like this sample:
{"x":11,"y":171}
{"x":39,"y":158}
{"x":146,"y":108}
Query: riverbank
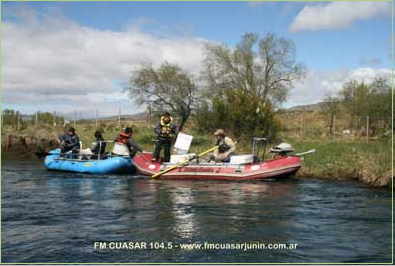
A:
{"x":369,"y":163}
{"x":25,"y":146}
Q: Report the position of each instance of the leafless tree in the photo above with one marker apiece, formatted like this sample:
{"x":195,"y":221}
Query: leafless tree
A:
{"x":165,"y":88}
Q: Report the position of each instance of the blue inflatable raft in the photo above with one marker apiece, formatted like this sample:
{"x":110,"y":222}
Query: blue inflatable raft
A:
{"x":111,"y":165}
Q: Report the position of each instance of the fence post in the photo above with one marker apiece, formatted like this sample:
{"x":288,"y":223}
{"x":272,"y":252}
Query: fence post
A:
{"x":367,"y":129}
{"x":36,"y":119}
{"x":301,"y":124}
{"x":2,"y":119}
{"x":334,"y":128}
{"x":97,"y":116}
{"x":75,"y":117}
{"x":149,"y":114}
{"x":119,"y":118}
{"x":54,"y":118}
{"x":19,"y":118}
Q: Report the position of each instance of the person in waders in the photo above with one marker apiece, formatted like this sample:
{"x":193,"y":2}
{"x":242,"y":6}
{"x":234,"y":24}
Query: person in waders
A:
{"x":226,"y":147}
{"x":166,"y":130}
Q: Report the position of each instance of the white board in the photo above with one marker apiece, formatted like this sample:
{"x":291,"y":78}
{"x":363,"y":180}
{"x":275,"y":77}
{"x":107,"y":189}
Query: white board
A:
{"x":183,"y":142}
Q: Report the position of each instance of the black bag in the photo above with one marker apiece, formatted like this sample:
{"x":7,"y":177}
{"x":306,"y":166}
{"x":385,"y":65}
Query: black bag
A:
{"x":223,"y":148}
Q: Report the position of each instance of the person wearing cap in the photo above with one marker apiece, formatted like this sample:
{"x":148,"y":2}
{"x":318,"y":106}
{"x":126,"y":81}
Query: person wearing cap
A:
{"x":69,"y":141}
{"x":125,"y":137}
{"x":165,"y":131}
{"x":97,"y":149}
{"x":226,"y":147}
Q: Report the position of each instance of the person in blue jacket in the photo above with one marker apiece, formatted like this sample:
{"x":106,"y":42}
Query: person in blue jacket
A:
{"x":166,"y":130}
{"x":69,"y":142}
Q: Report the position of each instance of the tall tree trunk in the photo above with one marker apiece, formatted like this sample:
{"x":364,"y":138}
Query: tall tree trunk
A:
{"x":182,"y":122}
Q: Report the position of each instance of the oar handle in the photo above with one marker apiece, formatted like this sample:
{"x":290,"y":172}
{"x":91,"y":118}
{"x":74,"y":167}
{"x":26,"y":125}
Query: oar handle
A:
{"x":183,"y":162}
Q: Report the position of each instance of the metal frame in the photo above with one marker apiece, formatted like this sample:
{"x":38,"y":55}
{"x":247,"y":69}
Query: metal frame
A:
{"x":256,"y":147}
{"x":81,"y":160}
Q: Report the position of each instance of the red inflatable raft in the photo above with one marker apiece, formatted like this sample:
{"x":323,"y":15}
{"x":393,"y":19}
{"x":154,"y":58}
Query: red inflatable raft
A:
{"x":282,"y":167}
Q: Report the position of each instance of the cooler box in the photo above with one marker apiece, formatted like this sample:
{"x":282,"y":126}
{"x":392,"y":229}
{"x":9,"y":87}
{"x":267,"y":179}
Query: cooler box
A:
{"x":177,"y":158}
{"x":242,"y":159}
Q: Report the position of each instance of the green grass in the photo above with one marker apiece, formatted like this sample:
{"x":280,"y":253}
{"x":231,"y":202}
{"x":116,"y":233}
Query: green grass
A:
{"x":368,"y":162}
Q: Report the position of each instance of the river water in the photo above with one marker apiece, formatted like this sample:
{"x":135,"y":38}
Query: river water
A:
{"x":58,"y":217}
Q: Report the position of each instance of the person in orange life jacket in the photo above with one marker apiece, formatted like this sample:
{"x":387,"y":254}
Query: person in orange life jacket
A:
{"x":69,"y":141}
{"x":165,"y":131}
{"x":125,"y":137}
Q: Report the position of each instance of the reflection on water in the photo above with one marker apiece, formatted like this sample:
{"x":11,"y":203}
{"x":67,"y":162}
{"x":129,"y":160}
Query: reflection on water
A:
{"x":184,"y":219}
{"x":56,"y":217}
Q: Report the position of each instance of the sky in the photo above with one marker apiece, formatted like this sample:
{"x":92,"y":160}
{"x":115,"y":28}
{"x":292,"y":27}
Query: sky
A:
{"x":66,"y":56}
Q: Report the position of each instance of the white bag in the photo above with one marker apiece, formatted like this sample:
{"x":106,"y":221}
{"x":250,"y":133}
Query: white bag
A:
{"x":120,"y":149}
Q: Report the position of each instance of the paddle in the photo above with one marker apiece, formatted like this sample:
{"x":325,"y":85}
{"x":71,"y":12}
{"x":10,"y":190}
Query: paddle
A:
{"x":41,"y":154}
{"x":183,"y":162}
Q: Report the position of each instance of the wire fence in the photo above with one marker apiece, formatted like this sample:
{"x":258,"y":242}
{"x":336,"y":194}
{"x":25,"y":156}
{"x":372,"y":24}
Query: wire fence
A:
{"x":318,"y":125}
{"x":96,"y":118}
{"x":298,"y":124}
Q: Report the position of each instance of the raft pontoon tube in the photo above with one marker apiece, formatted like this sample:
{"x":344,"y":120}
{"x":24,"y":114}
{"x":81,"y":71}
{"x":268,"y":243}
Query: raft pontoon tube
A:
{"x":117,"y":164}
{"x":244,"y":169}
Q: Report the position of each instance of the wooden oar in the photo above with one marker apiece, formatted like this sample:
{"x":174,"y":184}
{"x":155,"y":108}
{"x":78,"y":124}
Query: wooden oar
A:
{"x":41,"y":154}
{"x":183,"y":162}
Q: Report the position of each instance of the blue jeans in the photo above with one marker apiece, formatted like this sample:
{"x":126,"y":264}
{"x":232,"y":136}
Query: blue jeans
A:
{"x":227,"y":160}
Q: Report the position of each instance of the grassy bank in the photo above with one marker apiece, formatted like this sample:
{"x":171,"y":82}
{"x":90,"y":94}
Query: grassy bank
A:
{"x":342,"y":159}
{"x":366,"y":162}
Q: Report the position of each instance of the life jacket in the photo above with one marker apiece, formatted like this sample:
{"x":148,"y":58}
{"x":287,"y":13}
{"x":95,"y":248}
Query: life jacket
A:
{"x":165,"y":128}
{"x":123,"y":137}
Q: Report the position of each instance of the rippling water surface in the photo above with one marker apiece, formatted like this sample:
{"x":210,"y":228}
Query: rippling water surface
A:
{"x":57,"y":217}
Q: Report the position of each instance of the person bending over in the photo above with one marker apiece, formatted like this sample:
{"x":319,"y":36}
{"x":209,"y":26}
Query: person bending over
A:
{"x":125,"y":137}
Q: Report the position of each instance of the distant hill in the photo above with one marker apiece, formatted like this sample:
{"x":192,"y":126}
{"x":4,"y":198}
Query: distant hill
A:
{"x":138,"y":116}
{"x":307,"y":107}
{"x":89,"y":115}
{"x":27,"y":117}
